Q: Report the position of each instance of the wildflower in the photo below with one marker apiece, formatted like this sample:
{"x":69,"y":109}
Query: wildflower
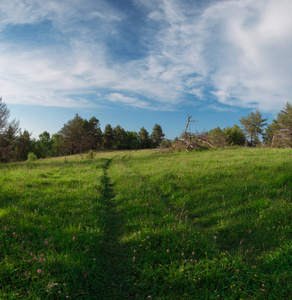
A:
{"x":23,"y":242}
{"x":44,"y":259}
{"x":59,"y":292}
{"x":134,"y":250}
{"x":182,"y":254}
{"x":73,"y":237}
{"x":263,"y":285}
{"x":46,"y":242}
{"x":134,"y":258}
{"x":39,"y":271}
{"x":167,"y":250}
{"x":149,"y":296}
{"x":28,"y":292}
{"x":193,"y":253}
{"x":191,"y":260}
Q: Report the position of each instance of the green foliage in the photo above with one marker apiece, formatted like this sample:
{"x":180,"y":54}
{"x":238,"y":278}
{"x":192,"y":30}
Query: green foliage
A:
{"x":132,"y":140}
{"x":31,"y":156}
{"x":157,"y":135}
{"x":234,"y":135}
{"x":144,"y":138}
{"x":8,"y":135}
{"x":24,"y":145}
{"x":90,"y":154}
{"x":108,"y":137}
{"x":253,"y":126}
{"x":279,"y":133}
{"x":120,"y":138}
{"x":217,"y":137}
{"x":229,"y":136}
{"x":79,"y":135}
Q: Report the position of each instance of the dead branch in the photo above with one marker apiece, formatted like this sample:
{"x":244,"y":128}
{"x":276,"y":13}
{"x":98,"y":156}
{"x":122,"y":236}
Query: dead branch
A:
{"x":198,"y":139}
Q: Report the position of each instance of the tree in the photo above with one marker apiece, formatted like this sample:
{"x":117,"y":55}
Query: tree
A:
{"x":119,"y":136}
{"x":44,"y":145}
{"x":72,"y":135}
{"x":157,"y":135}
{"x":8,"y":135}
{"x":91,"y":135}
{"x":57,"y":146}
{"x":24,"y":145}
{"x":144,"y":138}
{"x":252,"y":126}
{"x":217,"y":137}
{"x":108,"y":137}
{"x":132,"y":140}
{"x":4,"y":115}
{"x":280,"y":131}
{"x":234,"y":135}
{"x":194,"y":141}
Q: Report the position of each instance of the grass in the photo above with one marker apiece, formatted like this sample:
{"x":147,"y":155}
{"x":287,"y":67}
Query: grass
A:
{"x":141,"y":224}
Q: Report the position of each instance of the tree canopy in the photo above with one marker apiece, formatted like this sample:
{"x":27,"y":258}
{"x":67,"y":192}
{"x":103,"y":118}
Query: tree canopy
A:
{"x":253,"y":126}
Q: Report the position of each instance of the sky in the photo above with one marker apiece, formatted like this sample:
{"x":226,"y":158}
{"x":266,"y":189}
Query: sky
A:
{"x":136,"y":63}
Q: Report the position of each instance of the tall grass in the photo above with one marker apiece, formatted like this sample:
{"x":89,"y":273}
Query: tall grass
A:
{"x":141,"y":224}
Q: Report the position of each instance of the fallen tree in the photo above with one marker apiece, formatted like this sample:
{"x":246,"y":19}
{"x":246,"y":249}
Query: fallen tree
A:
{"x":190,"y":140}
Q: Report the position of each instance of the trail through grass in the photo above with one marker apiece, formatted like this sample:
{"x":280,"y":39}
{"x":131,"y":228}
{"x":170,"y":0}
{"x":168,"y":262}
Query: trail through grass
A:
{"x":135,"y":225}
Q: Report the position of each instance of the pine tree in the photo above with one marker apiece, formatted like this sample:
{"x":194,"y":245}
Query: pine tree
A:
{"x":253,"y":126}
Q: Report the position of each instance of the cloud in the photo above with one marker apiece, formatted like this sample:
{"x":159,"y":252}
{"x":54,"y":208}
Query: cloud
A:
{"x":229,"y":52}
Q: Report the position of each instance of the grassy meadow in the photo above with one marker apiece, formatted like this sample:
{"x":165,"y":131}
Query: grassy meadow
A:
{"x":143,"y":224}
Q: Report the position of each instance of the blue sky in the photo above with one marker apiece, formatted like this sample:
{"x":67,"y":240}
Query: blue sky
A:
{"x":136,"y":63}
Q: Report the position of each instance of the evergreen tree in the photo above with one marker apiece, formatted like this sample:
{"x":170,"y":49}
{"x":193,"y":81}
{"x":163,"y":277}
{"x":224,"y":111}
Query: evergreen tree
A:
{"x":279,"y":133}
{"x":157,"y":135}
{"x":9,"y":132}
{"x":24,"y":145}
{"x":91,"y":135}
{"x":72,"y":136}
{"x":108,"y":137}
{"x":144,"y":138}
{"x":132,"y":140}
{"x":253,"y":126}
{"x":120,"y":137}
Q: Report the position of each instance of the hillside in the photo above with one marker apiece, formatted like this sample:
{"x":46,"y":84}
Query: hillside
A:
{"x":143,"y":224}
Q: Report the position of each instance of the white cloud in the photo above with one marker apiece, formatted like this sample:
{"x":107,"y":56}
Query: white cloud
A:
{"x":236,"y":51}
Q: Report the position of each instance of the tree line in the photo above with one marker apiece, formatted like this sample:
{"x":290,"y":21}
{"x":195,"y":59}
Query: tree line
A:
{"x":80,"y":135}
{"x":255,"y":131}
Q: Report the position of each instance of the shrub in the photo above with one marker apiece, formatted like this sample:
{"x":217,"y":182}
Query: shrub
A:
{"x":90,"y":154}
{"x":31,"y":156}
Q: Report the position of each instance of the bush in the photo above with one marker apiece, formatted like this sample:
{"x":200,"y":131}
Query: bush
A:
{"x":31,"y":156}
{"x":90,"y":154}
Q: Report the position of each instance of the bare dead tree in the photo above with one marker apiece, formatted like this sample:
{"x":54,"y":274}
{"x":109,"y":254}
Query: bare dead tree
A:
{"x":189,"y":140}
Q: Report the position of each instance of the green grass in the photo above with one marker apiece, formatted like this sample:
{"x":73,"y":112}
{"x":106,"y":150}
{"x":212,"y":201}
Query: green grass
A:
{"x":141,"y":224}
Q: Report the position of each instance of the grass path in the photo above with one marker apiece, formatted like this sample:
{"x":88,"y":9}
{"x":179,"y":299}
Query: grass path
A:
{"x":112,"y":251}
